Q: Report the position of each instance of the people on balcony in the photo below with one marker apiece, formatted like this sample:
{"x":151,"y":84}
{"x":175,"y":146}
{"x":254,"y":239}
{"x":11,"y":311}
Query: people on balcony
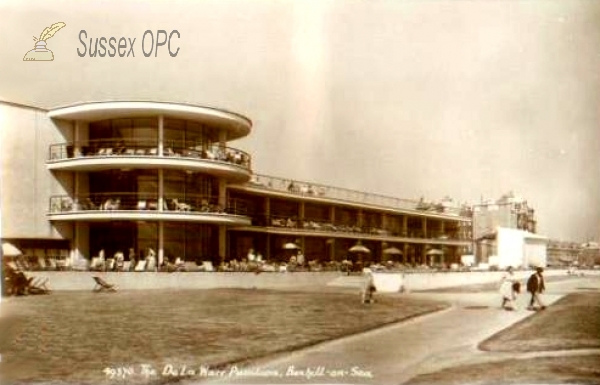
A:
{"x":119,"y":260}
{"x":180,"y":206}
{"x":120,"y":148}
{"x":292,"y":187}
{"x":112,"y":204}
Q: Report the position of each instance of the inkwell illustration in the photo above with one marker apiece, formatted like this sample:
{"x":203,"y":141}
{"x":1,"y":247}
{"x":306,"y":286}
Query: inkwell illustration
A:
{"x":40,"y":52}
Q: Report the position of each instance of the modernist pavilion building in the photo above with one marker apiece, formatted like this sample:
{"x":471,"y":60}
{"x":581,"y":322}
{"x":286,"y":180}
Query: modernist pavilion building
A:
{"x":154,"y":177}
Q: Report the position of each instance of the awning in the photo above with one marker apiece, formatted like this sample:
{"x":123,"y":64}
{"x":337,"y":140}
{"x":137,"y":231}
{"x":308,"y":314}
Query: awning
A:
{"x":359,"y":249}
{"x":290,"y":246}
{"x":10,"y":250}
{"x":392,"y":251}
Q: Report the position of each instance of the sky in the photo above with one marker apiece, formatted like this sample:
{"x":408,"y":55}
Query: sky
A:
{"x":416,"y":98}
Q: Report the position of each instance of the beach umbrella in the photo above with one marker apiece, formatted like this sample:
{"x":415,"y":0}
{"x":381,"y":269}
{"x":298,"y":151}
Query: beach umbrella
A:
{"x":358,"y":248}
{"x":10,"y":250}
{"x":290,"y":246}
{"x":435,"y":252}
{"x":392,"y":251}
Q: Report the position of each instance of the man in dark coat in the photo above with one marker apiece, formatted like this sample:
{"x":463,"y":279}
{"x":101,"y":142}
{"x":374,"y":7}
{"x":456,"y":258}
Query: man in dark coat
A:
{"x":536,"y":286}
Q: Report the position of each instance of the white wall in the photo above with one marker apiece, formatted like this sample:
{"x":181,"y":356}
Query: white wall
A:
{"x":26,"y":184}
{"x":510,"y":247}
{"x":535,"y":252}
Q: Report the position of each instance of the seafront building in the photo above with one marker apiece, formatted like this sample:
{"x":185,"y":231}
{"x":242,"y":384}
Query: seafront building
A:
{"x":166,"y":180}
{"x":505,"y":233}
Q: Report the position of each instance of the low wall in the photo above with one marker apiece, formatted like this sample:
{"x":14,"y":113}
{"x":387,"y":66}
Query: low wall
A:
{"x":395,"y":282}
{"x":385,"y":282}
{"x":83,"y":280}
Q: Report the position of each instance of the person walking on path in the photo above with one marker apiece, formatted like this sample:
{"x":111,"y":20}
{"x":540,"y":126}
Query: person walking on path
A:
{"x":368,"y":289}
{"x":536,"y":286}
{"x":509,"y":288}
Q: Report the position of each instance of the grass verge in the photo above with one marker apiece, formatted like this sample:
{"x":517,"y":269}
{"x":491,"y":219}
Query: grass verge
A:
{"x":571,"y":323}
{"x":73,"y":337}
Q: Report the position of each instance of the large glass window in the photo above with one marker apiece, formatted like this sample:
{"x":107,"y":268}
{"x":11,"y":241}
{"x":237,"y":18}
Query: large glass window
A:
{"x":141,"y":129}
{"x":180,"y":134}
{"x":129,"y":187}
{"x":190,"y":242}
{"x":122,"y":236}
{"x":189,"y":188}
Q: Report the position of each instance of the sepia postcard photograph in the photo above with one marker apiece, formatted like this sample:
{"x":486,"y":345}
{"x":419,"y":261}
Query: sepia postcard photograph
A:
{"x":306,"y":192}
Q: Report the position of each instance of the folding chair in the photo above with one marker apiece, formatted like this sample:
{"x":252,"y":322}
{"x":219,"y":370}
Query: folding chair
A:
{"x":38,"y":285}
{"x":141,"y":265}
{"x":102,"y":285}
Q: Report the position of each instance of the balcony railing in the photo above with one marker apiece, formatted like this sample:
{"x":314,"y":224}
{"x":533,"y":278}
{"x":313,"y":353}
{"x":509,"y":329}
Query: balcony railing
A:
{"x":121,"y":201}
{"x":148,"y":148}
{"x":324,"y":191}
{"x":320,"y":225}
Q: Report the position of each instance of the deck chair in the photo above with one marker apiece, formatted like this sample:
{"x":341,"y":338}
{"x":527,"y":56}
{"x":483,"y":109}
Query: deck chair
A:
{"x":141,"y":265}
{"x":17,"y":283}
{"x":208,"y":266}
{"x":102,"y":285}
{"x":38,"y":285}
{"x":151,"y":264}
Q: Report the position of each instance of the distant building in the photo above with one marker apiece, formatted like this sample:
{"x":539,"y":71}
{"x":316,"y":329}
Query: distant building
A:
{"x":504,"y":233}
{"x":563,"y":253}
{"x":589,"y":255}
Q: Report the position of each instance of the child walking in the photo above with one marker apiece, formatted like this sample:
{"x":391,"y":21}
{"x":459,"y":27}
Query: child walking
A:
{"x":509,"y":288}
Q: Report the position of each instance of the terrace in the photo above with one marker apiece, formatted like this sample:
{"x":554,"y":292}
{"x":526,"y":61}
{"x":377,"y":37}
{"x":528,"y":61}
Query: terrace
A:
{"x":320,"y":191}
{"x":127,"y":205}
{"x":116,"y":152}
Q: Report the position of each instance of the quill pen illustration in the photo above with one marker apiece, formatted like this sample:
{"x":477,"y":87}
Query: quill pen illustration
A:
{"x":50,"y":31}
{"x":40,"y":51}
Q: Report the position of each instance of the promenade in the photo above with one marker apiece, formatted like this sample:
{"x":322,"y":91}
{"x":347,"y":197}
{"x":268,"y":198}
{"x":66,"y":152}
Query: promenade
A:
{"x":397,"y":353}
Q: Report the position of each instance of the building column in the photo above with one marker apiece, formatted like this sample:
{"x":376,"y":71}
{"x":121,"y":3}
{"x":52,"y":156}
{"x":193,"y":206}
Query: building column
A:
{"x":267,"y":211}
{"x":77,"y":139}
{"x":404,"y":226}
{"x":161,"y":135}
{"x":161,"y":243}
{"x":424,"y":227}
{"x":222,"y":145}
{"x":161,"y":190}
{"x":222,"y":243}
{"x":332,"y":215}
{"x":161,"y":207}
{"x":222,"y":202}
{"x":359,"y":218}
{"x":331,"y":251}
{"x":301,"y":208}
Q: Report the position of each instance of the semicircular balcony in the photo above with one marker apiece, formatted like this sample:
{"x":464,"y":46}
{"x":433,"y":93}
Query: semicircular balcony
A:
{"x":147,"y":207}
{"x":95,"y":155}
{"x":232,"y":125}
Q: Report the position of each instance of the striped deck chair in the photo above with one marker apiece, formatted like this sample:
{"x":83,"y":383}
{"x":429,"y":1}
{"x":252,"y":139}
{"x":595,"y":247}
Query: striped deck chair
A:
{"x":102,"y":285}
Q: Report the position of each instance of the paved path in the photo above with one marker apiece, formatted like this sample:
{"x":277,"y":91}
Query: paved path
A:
{"x":396,"y":353}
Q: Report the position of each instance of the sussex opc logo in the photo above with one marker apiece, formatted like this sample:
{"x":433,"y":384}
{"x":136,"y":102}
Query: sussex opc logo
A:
{"x":40,"y":52}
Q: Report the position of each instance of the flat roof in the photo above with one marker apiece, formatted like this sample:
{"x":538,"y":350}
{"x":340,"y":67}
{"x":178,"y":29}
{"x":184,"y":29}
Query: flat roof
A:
{"x":236,"y":125}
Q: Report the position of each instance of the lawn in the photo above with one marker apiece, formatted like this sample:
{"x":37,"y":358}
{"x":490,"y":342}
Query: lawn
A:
{"x":571,"y":323}
{"x":83,"y":337}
